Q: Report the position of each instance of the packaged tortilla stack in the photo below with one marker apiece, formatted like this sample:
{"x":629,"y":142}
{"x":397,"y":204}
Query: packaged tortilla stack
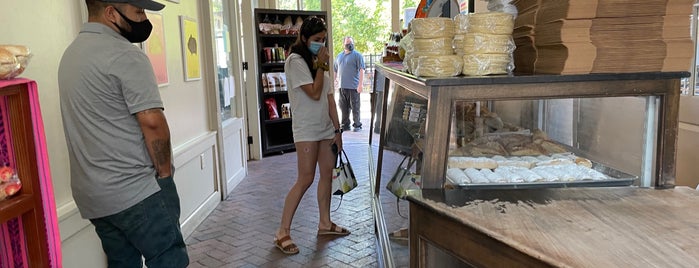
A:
{"x":484,"y":41}
{"x":431,"y":52}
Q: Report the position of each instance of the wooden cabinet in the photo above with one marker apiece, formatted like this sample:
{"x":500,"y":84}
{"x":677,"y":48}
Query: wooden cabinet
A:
{"x":28,"y":219}
{"x":273,"y":47}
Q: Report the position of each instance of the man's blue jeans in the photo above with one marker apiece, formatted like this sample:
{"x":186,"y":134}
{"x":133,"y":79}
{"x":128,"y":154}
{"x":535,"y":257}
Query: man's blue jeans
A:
{"x":150,"y":229}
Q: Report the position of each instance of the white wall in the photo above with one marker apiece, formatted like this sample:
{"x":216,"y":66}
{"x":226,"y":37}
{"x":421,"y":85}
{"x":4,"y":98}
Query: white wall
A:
{"x":48,"y":27}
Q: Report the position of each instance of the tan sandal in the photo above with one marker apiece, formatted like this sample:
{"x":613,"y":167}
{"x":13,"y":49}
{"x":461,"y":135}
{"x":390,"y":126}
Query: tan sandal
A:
{"x":289,"y":249}
{"x":334,"y":230}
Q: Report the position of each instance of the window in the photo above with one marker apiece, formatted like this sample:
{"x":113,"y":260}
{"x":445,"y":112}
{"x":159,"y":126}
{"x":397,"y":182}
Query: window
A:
{"x":226,"y":81}
{"x":299,"y":4}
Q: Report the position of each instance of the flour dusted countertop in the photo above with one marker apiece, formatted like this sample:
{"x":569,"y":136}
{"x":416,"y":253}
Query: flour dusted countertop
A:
{"x":581,"y":227}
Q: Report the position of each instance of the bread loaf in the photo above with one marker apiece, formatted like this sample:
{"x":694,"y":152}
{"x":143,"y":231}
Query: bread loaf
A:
{"x":580,"y":161}
{"x":13,"y":60}
{"x":471,"y":162}
{"x":9,"y":65}
{"x":476,"y":176}
{"x":457,"y":176}
{"x":551,"y":147}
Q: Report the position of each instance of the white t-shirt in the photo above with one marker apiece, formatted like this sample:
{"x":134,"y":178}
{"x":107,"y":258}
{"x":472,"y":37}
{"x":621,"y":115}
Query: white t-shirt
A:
{"x":310,"y":118}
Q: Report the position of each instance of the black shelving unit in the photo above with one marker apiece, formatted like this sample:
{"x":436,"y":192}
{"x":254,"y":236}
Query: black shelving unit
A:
{"x":276,"y":135}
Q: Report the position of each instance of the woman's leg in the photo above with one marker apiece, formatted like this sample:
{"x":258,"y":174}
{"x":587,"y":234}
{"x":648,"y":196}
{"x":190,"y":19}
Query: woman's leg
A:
{"x":326,"y":163}
{"x":307,"y":154}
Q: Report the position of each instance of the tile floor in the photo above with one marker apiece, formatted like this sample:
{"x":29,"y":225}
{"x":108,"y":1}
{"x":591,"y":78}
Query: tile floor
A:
{"x":239,"y":232}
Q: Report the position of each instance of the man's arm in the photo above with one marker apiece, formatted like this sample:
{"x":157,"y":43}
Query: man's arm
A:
{"x":361,"y":73}
{"x":361,"y":80}
{"x":156,"y":134}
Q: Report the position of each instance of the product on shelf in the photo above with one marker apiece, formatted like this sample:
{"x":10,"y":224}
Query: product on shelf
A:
{"x":271,"y":104}
{"x":9,"y":182}
{"x":485,"y":42}
{"x":499,"y":169}
{"x":286,"y":110}
{"x":438,"y":66}
{"x":432,"y":27}
{"x":13,"y":60}
{"x":273,"y":82}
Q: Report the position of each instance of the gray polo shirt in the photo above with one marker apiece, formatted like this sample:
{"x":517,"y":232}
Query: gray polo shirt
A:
{"x":103,"y":82}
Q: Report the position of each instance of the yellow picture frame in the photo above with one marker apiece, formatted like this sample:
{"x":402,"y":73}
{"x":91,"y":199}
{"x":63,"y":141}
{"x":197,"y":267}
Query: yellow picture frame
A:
{"x":189,"y":29}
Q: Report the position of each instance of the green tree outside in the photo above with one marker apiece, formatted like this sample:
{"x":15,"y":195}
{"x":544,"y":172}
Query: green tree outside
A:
{"x":367,"y":21}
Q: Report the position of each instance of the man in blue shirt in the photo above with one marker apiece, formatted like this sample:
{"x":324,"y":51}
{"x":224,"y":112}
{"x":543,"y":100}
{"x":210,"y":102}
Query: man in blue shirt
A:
{"x":349,"y":67}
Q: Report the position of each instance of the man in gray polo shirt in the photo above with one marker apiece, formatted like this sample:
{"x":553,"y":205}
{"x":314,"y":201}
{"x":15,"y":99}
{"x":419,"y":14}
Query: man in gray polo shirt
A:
{"x":118,"y":138}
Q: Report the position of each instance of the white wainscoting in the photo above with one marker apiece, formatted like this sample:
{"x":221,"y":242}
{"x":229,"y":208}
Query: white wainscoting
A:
{"x":196,"y":179}
{"x":235,"y":156}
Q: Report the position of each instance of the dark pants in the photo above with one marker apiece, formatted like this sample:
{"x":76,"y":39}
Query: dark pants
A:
{"x":150,"y":229}
{"x":349,"y":99}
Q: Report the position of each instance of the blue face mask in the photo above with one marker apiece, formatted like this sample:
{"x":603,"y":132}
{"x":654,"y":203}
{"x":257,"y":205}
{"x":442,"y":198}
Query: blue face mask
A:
{"x":315,"y":46}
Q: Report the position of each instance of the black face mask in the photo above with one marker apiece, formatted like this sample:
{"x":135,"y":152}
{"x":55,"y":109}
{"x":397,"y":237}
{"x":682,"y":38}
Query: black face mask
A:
{"x":140,"y":31}
{"x":349,"y":47}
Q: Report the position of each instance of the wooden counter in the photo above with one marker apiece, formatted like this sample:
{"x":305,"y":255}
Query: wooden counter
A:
{"x":571,"y":227}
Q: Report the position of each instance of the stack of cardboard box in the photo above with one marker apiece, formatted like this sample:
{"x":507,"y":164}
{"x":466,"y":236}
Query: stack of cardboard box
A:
{"x":604,"y":36}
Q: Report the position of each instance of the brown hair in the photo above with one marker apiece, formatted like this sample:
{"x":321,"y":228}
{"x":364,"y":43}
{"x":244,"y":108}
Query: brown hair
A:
{"x":311,"y":25}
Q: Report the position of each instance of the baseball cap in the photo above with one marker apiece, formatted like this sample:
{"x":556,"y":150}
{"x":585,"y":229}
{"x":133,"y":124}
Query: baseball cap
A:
{"x":145,"y":4}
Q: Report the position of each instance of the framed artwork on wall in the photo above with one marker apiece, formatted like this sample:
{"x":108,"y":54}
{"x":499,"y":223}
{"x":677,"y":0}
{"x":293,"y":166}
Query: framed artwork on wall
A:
{"x":155,"y":48}
{"x":190,"y":48}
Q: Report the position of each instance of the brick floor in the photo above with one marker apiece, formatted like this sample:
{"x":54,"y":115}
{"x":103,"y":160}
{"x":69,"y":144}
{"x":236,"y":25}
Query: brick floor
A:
{"x":239,"y":232}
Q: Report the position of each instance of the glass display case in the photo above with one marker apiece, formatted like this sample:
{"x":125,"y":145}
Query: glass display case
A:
{"x":623,"y":126}
{"x":540,"y":131}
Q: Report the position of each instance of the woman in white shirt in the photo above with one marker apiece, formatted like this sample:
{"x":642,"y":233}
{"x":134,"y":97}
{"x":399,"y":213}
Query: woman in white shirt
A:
{"x":315,"y":126}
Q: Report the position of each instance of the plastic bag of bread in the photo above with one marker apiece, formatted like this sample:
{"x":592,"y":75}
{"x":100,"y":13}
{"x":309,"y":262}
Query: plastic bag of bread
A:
{"x":13,"y":60}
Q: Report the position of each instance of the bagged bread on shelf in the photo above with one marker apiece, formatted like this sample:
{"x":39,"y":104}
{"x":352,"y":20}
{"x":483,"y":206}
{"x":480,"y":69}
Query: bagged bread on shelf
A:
{"x":457,"y":176}
{"x":8,"y":64}
{"x":432,"y":27}
{"x":13,"y":60}
{"x":471,"y":162}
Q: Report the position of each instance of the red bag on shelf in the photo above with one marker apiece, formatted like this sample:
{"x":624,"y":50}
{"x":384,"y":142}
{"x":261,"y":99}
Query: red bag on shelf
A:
{"x":272,"y":108}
